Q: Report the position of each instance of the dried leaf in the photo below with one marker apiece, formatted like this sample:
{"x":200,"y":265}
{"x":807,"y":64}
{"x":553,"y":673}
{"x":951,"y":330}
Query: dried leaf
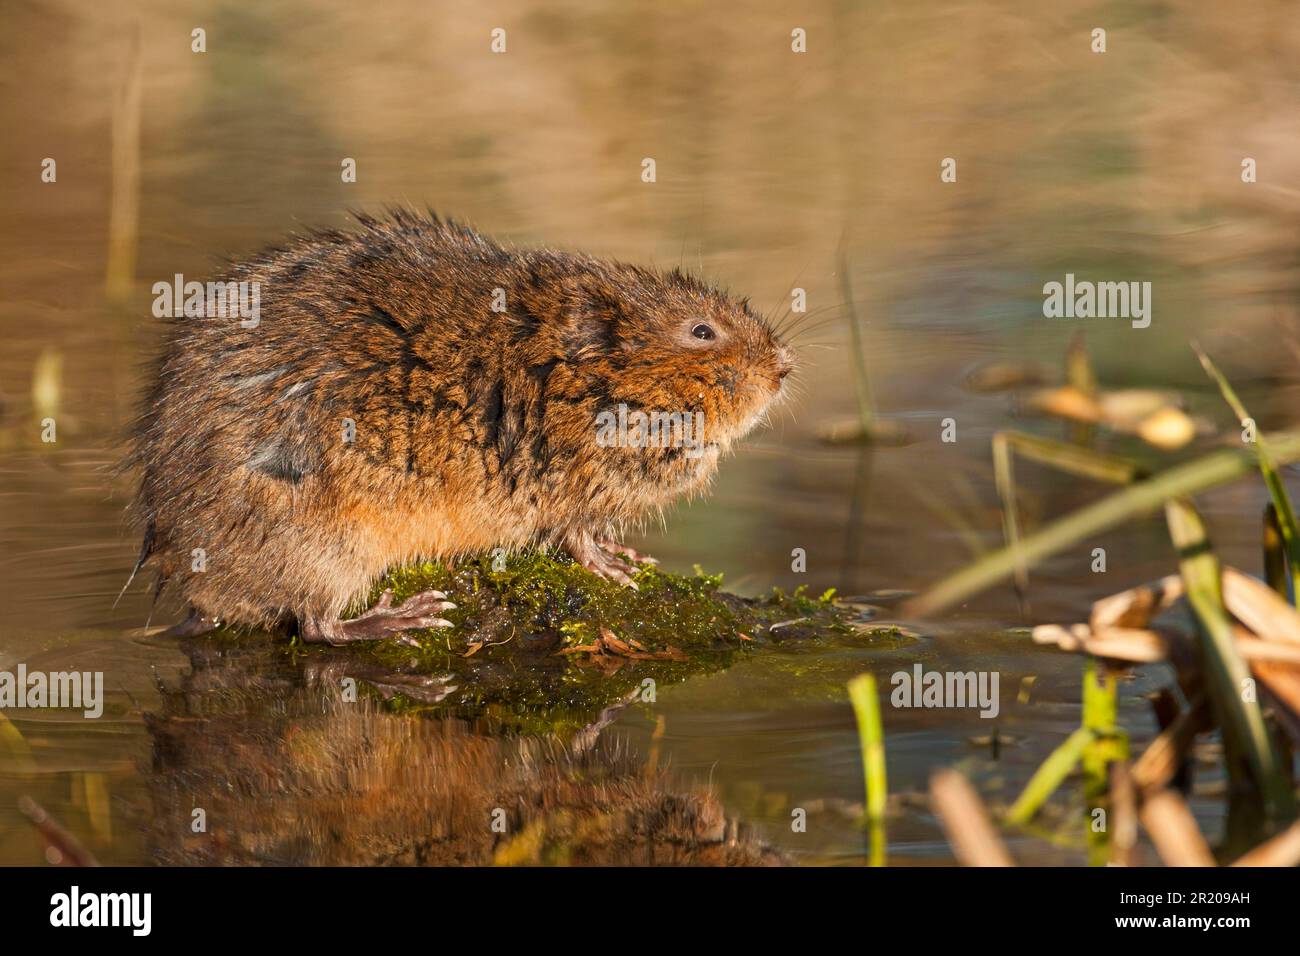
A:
{"x":1260,"y":608}
{"x":1066,"y":402}
{"x":1174,"y":831}
{"x":965,"y":821}
{"x":1136,"y":607}
{"x":1168,"y":429}
{"x":614,"y":643}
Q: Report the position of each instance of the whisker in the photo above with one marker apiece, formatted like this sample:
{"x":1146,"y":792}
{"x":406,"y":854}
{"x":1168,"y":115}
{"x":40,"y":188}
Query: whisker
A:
{"x":816,"y":327}
{"x":825,"y":310}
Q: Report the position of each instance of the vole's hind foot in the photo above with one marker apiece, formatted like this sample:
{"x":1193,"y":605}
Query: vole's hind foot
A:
{"x":417,"y":612}
{"x":601,"y":561}
{"x":616,"y":548}
{"x":193,"y":626}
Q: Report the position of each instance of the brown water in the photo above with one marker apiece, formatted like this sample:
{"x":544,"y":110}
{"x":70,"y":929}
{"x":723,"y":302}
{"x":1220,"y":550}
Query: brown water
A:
{"x":772,"y":168}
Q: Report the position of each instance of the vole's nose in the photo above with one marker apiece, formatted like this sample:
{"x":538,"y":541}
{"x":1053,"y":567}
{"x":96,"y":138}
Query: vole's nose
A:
{"x":784,"y":361}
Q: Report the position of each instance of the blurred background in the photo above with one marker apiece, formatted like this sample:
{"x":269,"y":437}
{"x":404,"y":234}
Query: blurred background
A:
{"x":775,"y":170}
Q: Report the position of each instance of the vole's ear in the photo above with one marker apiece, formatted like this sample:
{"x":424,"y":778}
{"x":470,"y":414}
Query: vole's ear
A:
{"x":591,"y":324}
{"x":575,"y":310}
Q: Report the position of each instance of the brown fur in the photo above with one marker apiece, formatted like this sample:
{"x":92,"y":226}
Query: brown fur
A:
{"x":474,"y":429}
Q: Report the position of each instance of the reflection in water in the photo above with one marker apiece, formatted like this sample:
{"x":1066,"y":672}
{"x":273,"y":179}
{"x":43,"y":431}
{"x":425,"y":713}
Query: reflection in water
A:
{"x":259,"y":762}
{"x":853,"y":526}
{"x":1123,"y":166}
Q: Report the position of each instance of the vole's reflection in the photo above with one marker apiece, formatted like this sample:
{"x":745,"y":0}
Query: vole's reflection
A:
{"x":258,"y":760}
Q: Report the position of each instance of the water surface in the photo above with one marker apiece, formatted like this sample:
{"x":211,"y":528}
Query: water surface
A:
{"x":774,"y":171}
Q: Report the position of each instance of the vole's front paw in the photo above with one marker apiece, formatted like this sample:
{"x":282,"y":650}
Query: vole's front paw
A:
{"x":417,"y":612}
{"x":616,"y":548}
{"x":599,"y":557}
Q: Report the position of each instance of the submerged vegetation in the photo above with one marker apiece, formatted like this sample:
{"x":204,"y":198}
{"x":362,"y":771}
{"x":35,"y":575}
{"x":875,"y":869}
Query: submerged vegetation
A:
{"x":540,"y":644}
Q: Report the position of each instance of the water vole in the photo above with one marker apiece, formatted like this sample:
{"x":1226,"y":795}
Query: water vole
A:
{"x":412,"y":390}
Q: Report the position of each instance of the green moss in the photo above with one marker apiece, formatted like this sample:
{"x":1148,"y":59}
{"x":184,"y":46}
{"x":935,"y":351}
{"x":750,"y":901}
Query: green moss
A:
{"x":514,"y":652}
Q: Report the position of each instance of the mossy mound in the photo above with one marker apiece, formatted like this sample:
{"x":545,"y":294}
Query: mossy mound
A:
{"x":540,"y":644}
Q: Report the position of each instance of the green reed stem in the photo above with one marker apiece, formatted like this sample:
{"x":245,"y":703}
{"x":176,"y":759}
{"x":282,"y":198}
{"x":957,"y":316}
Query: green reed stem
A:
{"x":1286,"y":517}
{"x":1140,"y":498}
{"x":871,"y":734}
{"x":1248,"y":744}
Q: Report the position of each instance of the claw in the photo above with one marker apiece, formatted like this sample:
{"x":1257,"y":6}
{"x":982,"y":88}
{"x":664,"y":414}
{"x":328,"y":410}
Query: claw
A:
{"x":418,"y":612}
{"x":616,"y":548}
{"x":600,"y":560}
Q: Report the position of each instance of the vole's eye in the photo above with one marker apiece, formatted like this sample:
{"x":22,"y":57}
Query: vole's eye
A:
{"x":705,"y":332}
